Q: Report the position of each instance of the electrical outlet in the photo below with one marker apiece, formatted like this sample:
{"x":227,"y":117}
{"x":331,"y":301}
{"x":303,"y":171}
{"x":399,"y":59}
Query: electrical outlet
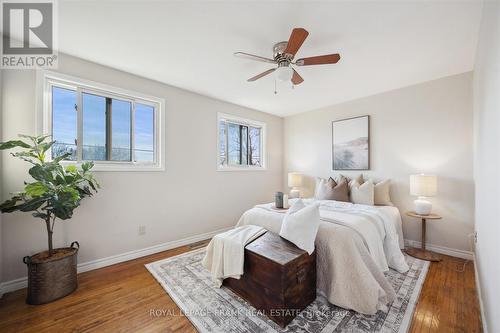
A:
{"x":142,"y":230}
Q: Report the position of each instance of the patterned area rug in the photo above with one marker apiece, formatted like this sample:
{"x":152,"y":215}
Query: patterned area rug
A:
{"x":213,"y":309}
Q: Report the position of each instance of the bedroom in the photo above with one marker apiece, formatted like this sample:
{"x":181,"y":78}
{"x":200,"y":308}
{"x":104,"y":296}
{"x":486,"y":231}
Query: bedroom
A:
{"x":416,"y":81}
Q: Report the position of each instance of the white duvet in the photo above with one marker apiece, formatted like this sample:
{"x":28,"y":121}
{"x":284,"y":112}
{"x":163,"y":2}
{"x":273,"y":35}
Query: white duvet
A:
{"x":355,"y":244}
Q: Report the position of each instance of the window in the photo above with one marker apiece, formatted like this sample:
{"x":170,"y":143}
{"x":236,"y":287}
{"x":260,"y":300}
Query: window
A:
{"x":118,"y":130}
{"x":240,"y":143}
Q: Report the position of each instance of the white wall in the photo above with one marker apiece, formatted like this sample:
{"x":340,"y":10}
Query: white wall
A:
{"x":187,"y":199}
{"x":422,"y":128}
{"x":487,"y":162}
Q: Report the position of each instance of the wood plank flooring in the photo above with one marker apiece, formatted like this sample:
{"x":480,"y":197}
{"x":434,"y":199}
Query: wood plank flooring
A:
{"x":120,"y":298}
{"x":448,"y":301}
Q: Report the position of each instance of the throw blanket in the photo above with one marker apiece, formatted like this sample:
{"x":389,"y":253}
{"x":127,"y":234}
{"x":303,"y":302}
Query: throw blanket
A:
{"x":351,"y":258}
{"x":226,"y":251}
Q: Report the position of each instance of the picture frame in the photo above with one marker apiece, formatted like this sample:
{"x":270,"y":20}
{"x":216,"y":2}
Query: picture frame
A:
{"x":351,"y":143}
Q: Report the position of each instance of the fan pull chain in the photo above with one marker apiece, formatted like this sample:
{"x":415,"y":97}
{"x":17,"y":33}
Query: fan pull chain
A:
{"x":275,"y":90}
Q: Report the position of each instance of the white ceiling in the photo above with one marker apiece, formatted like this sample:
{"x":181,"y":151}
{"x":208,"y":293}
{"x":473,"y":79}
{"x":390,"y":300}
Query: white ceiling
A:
{"x":384,"y":45}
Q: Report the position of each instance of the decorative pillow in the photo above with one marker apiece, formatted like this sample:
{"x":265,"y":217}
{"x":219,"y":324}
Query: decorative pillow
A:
{"x":340,"y":178}
{"x":331,"y":190}
{"x":300,"y":225}
{"x":319,"y":183}
{"x":363,"y":194}
{"x":359,"y":179}
{"x":381,"y":192}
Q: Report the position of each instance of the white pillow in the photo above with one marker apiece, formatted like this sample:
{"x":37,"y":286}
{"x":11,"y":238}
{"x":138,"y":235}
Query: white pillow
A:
{"x":319,"y":184}
{"x":300,"y":225}
{"x":363,"y":194}
{"x":381,"y":192}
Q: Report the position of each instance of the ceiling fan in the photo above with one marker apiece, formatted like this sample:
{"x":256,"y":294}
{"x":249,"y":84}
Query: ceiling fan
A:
{"x":283,"y":54}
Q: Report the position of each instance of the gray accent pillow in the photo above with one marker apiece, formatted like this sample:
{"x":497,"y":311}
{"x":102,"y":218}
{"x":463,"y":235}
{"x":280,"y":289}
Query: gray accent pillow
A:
{"x":330,"y":190}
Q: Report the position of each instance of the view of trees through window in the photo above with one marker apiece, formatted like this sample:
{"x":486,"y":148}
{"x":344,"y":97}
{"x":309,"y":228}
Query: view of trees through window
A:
{"x":64,"y":122}
{"x":239,"y":144}
{"x":107,"y":127}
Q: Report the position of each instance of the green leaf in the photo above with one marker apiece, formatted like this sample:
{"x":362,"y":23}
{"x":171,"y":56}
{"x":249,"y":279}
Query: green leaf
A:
{"x":85,"y":191}
{"x":59,"y":180}
{"x":92,"y":185}
{"x":64,"y":204}
{"x":86,"y":166}
{"x":73,"y":193}
{"x":71,"y":168}
{"x":61,"y":158}
{"x":13,"y":143}
{"x":40,"y":215}
{"x":45,"y":146}
{"x":36,"y":189}
{"x":69,"y":179}
{"x":32,"y":204}
{"x":41,"y":172}
{"x":42,"y":138}
{"x":10,"y":205}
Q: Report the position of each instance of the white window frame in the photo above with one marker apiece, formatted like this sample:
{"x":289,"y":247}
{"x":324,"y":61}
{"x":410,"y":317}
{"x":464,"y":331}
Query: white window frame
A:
{"x":47,"y":79}
{"x":263,"y":143}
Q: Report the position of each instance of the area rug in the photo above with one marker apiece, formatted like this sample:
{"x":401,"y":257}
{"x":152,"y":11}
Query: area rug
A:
{"x":213,"y":309}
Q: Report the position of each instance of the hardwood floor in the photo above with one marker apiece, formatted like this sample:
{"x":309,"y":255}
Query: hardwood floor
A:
{"x":120,"y":298}
{"x":448,"y":301}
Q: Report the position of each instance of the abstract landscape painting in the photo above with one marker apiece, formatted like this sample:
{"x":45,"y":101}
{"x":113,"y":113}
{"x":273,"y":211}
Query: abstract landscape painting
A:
{"x":351,"y":146}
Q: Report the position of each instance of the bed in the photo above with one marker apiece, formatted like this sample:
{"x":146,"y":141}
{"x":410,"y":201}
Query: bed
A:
{"x":355,"y":245}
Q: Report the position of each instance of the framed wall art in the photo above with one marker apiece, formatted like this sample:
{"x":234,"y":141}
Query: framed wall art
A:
{"x":351,"y":143}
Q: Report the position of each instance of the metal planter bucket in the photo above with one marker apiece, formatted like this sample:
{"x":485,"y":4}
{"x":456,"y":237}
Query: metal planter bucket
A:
{"x":52,"y":278}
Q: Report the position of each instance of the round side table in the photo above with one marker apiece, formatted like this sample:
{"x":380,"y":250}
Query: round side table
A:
{"x":422,"y":253}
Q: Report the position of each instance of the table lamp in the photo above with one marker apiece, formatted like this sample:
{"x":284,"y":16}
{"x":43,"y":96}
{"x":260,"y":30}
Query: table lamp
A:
{"x":294,"y":181}
{"x":423,"y":186}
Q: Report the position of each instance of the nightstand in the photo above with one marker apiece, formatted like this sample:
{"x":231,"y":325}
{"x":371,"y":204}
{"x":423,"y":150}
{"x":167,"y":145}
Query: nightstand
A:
{"x":422,"y":253}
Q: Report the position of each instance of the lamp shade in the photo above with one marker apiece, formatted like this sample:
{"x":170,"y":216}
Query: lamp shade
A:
{"x":423,"y":185}
{"x":294,"y":179}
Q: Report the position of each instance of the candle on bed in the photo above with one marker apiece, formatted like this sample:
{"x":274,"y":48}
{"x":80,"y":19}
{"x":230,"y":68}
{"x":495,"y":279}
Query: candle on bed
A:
{"x":285,"y":200}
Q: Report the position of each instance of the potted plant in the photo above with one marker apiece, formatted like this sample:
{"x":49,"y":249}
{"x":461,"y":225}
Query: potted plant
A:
{"x":54,"y":193}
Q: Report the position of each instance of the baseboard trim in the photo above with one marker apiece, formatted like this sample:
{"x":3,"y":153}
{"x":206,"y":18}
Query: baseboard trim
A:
{"x":441,"y":249}
{"x":21,"y":283}
{"x":480,"y":297}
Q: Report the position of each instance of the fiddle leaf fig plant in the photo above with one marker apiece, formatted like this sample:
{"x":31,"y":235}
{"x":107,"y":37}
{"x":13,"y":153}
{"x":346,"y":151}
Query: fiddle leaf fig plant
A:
{"x":56,"y":190}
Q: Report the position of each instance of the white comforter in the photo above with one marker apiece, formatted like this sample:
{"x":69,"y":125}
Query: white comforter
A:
{"x":354,"y":244}
{"x":378,"y":227}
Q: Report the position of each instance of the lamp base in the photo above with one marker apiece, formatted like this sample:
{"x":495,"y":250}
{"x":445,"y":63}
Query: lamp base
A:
{"x":294,"y":193}
{"x":422,"y":206}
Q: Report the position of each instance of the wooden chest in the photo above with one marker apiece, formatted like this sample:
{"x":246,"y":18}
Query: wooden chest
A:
{"x":279,"y":278}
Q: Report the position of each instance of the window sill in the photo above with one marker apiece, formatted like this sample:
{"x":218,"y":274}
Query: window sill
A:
{"x":119,"y":167}
{"x":242,"y":168}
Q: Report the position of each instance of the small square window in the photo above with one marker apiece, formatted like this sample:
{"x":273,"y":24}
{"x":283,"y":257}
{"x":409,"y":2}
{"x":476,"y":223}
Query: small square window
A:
{"x":240,"y":143}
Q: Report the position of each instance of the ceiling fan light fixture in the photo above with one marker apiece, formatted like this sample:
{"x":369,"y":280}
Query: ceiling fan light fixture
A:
{"x":284,"y":73}
{"x":283,"y":55}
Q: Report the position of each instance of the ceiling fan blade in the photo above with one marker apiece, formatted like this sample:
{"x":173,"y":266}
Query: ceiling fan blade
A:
{"x":295,"y":41}
{"x":253,"y":57}
{"x":319,"y":60}
{"x":296,"y":78}
{"x":256,"y":77}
